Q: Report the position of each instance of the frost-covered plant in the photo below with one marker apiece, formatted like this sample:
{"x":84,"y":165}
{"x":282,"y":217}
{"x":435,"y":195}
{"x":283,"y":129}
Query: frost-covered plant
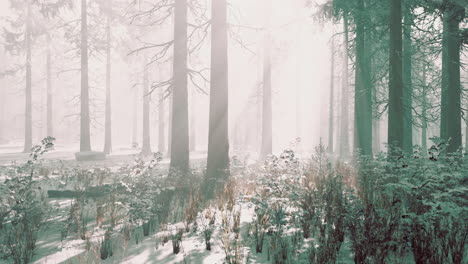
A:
{"x":192,"y":208}
{"x":207,"y":221}
{"x":23,"y":207}
{"x":145,"y":192}
{"x":230,"y":236}
{"x":106,"y":250}
{"x":176,"y":239}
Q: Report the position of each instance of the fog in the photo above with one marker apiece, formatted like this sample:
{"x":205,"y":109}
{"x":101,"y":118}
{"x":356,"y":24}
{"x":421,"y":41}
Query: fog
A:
{"x":300,"y":69}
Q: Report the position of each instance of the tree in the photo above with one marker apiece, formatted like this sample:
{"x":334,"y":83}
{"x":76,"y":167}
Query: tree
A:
{"x":161,"y":123}
{"x":344,"y":132}
{"x":50,"y":120}
{"x":180,"y":137}
{"x":331,"y":112}
{"x":85,"y":134}
{"x":108,"y":114}
{"x":28,"y":91}
{"x":19,"y":37}
{"x":218,"y":142}
{"x":407,"y":81}
{"x":267,"y":133}
{"x":192,"y":122}
{"x":146,"y":144}
{"x":363,"y":90}
{"x":395,"y":97}
{"x":453,"y":15}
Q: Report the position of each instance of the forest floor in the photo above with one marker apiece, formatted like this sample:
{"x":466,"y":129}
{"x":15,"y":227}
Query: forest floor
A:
{"x":55,"y":246}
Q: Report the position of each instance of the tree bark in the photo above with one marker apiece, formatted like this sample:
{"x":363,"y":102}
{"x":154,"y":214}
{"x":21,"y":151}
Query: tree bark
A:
{"x":363,"y":91}
{"x":85,"y":140}
{"x":2,"y":100}
{"x":267,"y":133}
{"x":453,"y":16}
{"x":108,"y":117}
{"x":424,"y":114}
{"x":218,"y":139}
{"x":407,"y":82}
{"x":135,"y":119}
{"x":161,"y":123}
{"x":444,"y":83}
{"x":192,"y":138}
{"x":344,"y":131}
{"x":395,"y":97}
{"x":180,"y":123}
{"x":146,"y":144}
{"x":50,"y":121}
{"x":28,"y":91}
{"x":331,"y":112}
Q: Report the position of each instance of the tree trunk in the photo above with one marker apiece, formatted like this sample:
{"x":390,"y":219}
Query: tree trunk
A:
{"x":2,"y":100}
{"x":454,"y":16}
{"x":344,"y":132}
{"x":444,"y":83}
{"x":108,"y":118}
{"x":28,"y":92}
{"x":146,"y":144}
{"x":267,"y":138}
{"x":161,"y":123}
{"x":50,"y":121}
{"x":407,"y":82}
{"x":135,"y":119}
{"x":376,"y":135}
{"x":218,"y":139}
{"x":395,"y":97}
{"x":424,"y":115}
{"x":85,"y":140}
{"x":363,"y":91}
{"x":331,"y":112}
{"x":192,"y":139}
{"x":169,"y":133}
{"x":180,"y":122}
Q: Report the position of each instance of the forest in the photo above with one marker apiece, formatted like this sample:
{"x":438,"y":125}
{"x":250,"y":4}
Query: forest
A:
{"x":242,"y":131}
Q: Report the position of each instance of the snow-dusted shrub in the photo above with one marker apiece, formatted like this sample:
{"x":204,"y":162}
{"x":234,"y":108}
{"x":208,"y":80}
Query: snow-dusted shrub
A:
{"x":192,"y":208}
{"x":23,"y":208}
{"x":106,"y":250}
{"x":176,"y":238}
{"x":230,"y":236}
{"x":206,"y":221}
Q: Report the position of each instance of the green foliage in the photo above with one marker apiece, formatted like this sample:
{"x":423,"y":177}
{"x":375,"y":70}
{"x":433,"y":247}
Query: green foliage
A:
{"x":22,"y":208}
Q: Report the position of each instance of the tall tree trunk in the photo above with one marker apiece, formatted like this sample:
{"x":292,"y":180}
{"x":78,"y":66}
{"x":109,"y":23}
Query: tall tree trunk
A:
{"x":108,"y":125}
{"x":146,"y":144}
{"x":267,"y":130}
{"x":180,"y":122}
{"x":444,"y":89}
{"x":424,"y":114}
{"x":2,"y":99}
{"x":28,"y":92}
{"x":454,"y":16}
{"x":331,"y":111}
{"x":407,"y":82}
{"x":344,"y":131}
{"x":135,"y":119}
{"x":395,"y":97}
{"x":363,"y":90}
{"x":50,"y":121}
{"x":192,"y":139}
{"x":376,"y":135}
{"x":161,"y":123}
{"x":169,"y":133}
{"x":85,"y":137}
{"x":217,"y":168}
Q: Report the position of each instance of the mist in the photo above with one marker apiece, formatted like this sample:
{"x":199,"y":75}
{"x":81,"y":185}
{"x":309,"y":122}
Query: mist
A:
{"x":243,"y":131}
